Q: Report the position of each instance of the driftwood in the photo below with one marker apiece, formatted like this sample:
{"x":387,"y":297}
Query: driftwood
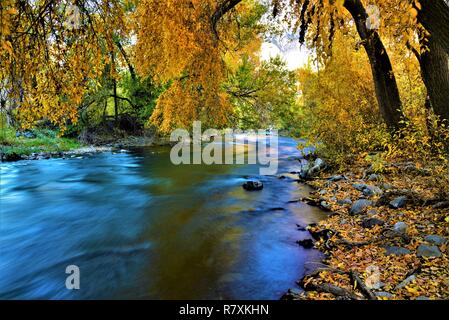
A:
{"x":337,"y":291}
{"x":355,"y":277}
{"x":333,"y":289}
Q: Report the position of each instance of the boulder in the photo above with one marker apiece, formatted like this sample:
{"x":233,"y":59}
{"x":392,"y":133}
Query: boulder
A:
{"x":398,"y":202}
{"x":372,"y":222}
{"x":400,"y":228}
{"x":344,"y":202}
{"x":359,"y":186}
{"x":428,"y":251}
{"x":359,"y":206}
{"x":253,"y":185}
{"x":337,"y":178}
{"x":372,"y":191}
{"x":436,"y":240}
{"x":396,"y":251}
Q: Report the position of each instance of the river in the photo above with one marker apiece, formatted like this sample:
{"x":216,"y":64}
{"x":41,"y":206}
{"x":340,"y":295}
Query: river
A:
{"x":139,"y":227}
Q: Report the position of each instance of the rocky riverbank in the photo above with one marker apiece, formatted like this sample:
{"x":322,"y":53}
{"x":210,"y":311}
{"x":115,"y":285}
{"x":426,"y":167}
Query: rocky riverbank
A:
{"x":386,"y":237}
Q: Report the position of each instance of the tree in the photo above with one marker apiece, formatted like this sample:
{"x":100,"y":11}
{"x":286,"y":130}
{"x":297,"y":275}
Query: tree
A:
{"x":187,"y":44}
{"x":262,"y":94}
{"x":51,"y":52}
{"x":318,"y":21}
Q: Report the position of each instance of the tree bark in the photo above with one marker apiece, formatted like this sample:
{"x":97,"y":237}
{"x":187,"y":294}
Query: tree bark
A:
{"x":435,"y":74}
{"x":434,"y":16}
{"x":387,"y":92}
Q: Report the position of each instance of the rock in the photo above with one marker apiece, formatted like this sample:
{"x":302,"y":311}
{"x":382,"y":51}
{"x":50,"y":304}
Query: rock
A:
{"x":372,"y":222}
{"x":406,"y":282}
{"x":359,"y":186}
{"x":435,"y":239}
{"x":292,"y":294}
{"x":344,"y":202}
{"x":337,"y":178}
{"x":399,"y":202}
{"x":310,"y":171}
{"x":373,"y":177}
{"x":306,"y":244}
{"x":372,"y":212}
{"x":441,"y":205}
{"x":383,"y":294}
{"x":323,"y":192}
{"x":325,"y":205}
{"x":397,"y":251}
{"x":387,"y":186}
{"x":359,"y":206}
{"x":343,"y":222}
{"x":428,"y":251}
{"x":253,"y":185}
{"x":277,"y":209}
{"x":422,"y":298}
{"x":372,"y":191}
{"x":400,"y":228}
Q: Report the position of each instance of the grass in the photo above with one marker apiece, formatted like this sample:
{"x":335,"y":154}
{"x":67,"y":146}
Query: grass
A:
{"x":45,"y":141}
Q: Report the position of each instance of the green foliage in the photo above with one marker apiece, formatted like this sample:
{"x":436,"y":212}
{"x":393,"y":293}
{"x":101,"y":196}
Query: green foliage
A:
{"x":46,"y":141}
{"x":262,"y":95}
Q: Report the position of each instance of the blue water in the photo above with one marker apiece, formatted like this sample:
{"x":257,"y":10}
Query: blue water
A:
{"x":139,"y":227}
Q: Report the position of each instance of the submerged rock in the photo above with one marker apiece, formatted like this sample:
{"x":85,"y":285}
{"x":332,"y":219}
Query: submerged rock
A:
{"x":253,"y":185}
{"x":306,"y":244}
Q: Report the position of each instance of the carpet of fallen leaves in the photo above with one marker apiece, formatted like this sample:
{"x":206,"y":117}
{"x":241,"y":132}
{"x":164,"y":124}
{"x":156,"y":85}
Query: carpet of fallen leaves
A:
{"x":431,"y":279}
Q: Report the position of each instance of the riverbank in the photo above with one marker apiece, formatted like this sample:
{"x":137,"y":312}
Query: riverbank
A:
{"x":386,"y":237}
{"x":45,"y":144}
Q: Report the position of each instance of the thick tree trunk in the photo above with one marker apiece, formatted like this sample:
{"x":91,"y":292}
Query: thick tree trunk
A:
{"x":387,"y":92}
{"x":434,"y":16}
{"x":435,"y":73}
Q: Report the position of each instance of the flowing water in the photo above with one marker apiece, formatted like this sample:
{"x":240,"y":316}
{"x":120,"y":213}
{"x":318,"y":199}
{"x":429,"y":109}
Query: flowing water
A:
{"x":139,"y":227}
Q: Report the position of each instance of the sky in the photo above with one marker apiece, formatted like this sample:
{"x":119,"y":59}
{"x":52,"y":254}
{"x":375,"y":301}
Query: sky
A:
{"x":293,"y":54}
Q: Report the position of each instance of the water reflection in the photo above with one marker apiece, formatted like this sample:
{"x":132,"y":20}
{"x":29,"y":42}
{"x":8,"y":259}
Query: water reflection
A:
{"x":141,"y":228}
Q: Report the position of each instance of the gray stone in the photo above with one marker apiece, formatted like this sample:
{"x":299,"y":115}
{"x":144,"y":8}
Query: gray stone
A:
{"x":373,"y":177}
{"x":323,"y":192}
{"x":372,"y":222}
{"x":372,"y":212}
{"x":383,"y":294}
{"x":359,"y":186}
{"x":337,"y":178}
{"x":343,"y":222}
{"x":325,"y":205}
{"x":406,"y":282}
{"x":343,"y":202}
{"x":400,"y":228}
{"x":387,"y":186}
{"x":372,"y":191}
{"x":396,"y":251}
{"x":399,"y":202}
{"x":359,"y":206}
{"x":435,"y":239}
{"x":428,"y":251}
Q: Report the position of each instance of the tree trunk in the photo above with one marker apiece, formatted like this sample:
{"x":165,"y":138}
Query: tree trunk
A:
{"x":387,"y":92}
{"x":435,"y":74}
{"x":434,"y":16}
